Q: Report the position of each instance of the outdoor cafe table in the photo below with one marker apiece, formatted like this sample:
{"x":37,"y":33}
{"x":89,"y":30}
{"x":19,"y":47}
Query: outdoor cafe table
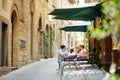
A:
{"x":83,"y":74}
{"x":68,"y":64}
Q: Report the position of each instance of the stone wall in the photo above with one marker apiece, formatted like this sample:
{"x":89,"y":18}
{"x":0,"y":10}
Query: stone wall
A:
{"x":24,"y":13}
{"x":26,"y":22}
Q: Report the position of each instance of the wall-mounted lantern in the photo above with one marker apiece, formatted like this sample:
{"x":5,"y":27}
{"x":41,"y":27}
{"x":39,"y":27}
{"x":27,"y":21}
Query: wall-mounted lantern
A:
{"x":22,"y":43}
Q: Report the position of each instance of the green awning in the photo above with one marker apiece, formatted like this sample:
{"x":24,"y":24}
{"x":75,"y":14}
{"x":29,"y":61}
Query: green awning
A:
{"x":85,"y":15}
{"x":75,"y":28}
{"x":82,"y":13}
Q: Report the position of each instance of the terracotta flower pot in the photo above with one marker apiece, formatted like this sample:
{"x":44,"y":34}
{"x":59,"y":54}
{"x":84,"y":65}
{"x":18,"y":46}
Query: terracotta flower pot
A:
{"x":51,"y":56}
{"x":46,"y":57}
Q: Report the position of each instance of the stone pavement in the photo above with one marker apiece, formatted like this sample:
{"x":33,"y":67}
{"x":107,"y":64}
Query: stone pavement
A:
{"x":41,"y":70}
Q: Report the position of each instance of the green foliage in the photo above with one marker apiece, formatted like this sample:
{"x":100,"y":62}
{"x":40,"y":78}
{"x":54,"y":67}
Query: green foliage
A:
{"x":110,"y":25}
{"x":86,"y":41}
{"x":94,"y":58}
{"x":112,"y":75}
{"x":45,"y":44}
{"x":105,"y":66}
{"x":95,"y":55}
{"x":110,"y":21}
{"x":97,"y":32}
{"x":94,"y":52}
{"x":51,"y":39}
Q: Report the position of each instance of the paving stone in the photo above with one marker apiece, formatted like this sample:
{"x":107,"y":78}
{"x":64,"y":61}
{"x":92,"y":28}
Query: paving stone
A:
{"x":41,"y":70}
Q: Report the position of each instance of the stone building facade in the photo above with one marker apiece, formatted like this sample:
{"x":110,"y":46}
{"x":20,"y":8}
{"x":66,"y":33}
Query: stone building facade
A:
{"x":61,"y":37}
{"x":24,"y":26}
{"x":19,"y":32}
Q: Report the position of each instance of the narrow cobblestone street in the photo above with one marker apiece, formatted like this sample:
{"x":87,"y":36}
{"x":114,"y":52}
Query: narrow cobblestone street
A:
{"x":41,"y":70}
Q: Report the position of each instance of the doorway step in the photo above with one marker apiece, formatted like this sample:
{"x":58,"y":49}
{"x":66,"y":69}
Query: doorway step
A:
{"x":5,"y":70}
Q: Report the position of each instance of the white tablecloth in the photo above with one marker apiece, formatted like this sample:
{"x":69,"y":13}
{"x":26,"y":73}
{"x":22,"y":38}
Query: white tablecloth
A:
{"x":68,"y":65}
{"x":89,"y":74}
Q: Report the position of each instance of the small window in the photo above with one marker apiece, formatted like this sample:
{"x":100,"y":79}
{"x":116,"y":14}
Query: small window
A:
{"x":47,"y":29}
{"x":54,"y":29}
{"x":54,"y":3}
{"x":22,"y":11}
{"x":32,"y":7}
{"x":47,"y":0}
{"x":40,"y":24}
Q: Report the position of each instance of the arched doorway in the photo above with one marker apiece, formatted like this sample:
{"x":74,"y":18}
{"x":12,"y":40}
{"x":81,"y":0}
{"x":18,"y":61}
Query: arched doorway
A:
{"x":14,"y":54}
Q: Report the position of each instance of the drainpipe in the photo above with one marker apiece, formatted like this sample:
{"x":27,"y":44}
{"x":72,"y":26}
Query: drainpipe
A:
{"x":43,"y":24}
{"x":44,"y":11}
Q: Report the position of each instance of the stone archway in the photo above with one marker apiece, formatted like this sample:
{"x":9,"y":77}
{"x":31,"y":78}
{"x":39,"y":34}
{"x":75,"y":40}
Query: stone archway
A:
{"x":14,"y":54}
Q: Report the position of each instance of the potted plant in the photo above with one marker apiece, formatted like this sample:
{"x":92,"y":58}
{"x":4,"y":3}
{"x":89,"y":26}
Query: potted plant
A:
{"x":51,"y":40}
{"x":46,"y":46}
{"x":46,"y":56}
